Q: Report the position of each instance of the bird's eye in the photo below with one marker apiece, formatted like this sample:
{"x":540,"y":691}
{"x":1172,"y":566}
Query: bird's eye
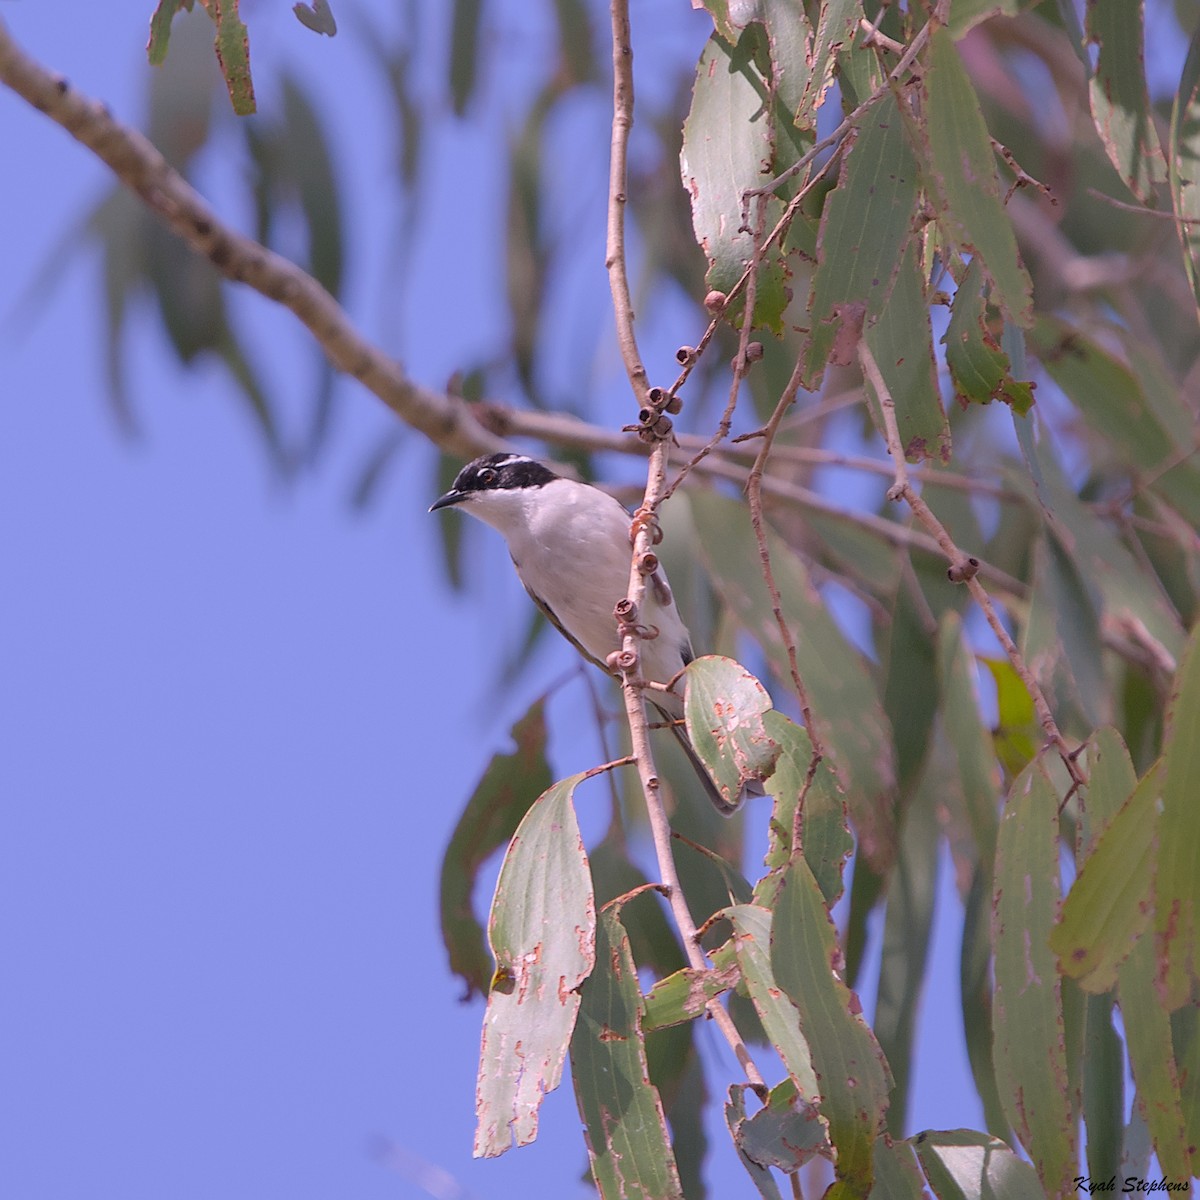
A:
{"x":487,"y":476}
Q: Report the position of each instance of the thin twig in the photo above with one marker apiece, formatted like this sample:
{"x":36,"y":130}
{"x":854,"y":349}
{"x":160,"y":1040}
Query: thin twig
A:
{"x":614,"y":261}
{"x":754,"y":495}
{"x":963,"y":568}
{"x":446,"y":420}
{"x":635,"y":710}
{"x":627,"y":660}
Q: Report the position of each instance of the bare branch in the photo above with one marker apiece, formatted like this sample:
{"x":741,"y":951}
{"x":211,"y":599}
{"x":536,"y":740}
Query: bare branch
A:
{"x":446,"y":420}
{"x":963,"y":568}
{"x":622,"y":122}
{"x":754,"y":495}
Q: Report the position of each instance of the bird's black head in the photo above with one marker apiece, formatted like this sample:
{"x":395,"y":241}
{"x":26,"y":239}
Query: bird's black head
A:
{"x":495,"y":473}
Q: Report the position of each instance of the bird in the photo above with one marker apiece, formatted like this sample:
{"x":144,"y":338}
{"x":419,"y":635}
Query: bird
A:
{"x":571,"y":545}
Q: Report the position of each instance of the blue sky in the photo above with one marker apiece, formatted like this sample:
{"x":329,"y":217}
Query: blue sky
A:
{"x":238,"y":720}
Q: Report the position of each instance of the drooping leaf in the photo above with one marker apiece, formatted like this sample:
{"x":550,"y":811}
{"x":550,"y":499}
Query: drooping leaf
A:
{"x":542,"y":935}
{"x":1107,"y":908}
{"x":847,"y":711}
{"x":824,"y":838}
{"x":1152,"y":1064}
{"x":961,"y":1164}
{"x":317,"y":16}
{"x":500,"y":800}
{"x":724,"y":706}
{"x":1121,"y":108}
{"x":1183,"y":162}
{"x":1154,"y":434}
{"x":624,"y":1127}
{"x":865,"y":227}
{"x":968,"y":738}
{"x":1030,"y":1058}
{"x":464,"y":52}
{"x":233,"y":53}
{"x":963,"y":181}
{"x":1103,"y":1089}
{"x":901,"y":340}
{"x":785,"y":1134}
{"x":728,"y":148}
{"x":735,"y":1116}
{"x":160,"y":29}
{"x":975,"y":987}
{"x":837,"y":22}
{"x":752,"y":939}
{"x":1062,"y":644}
{"x":978,"y":364}
{"x":851,"y":1072}
{"x":1177,"y":880}
{"x":907,"y":927}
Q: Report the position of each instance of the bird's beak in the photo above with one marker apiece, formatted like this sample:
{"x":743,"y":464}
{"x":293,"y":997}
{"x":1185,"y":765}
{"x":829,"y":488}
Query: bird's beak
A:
{"x":453,"y":496}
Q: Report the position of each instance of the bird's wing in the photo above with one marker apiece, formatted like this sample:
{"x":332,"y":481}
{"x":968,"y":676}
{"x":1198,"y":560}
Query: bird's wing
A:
{"x":548,"y":613}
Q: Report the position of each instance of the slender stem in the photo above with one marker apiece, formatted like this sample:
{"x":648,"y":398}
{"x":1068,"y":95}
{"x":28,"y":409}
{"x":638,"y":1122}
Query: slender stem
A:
{"x":622,"y":123}
{"x":962,"y":566}
{"x":754,"y":495}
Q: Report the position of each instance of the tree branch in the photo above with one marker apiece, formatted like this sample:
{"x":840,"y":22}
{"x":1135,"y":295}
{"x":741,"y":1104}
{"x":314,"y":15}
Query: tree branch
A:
{"x":446,"y":420}
{"x":963,"y":569}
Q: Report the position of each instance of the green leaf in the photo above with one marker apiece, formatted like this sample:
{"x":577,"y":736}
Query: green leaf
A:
{"x":786,"y":1133}
{"x":1130,"y":599}
{"x":315,"y":180}
{"x":897,"y":1174}
{"x":233,"y":54}
{"x":1152,"y":1063}
{"x":824,"y":837}
{"x":964,"y":1165}
{"x":1185,"y":1028}
{"x":624,"y":1127}
{"x":724,"y":706}
{"x":910,"y":693}
{"x":837,"y":22}
{"x":1183,"y":162}
{"x":684,"y":996}
{"x":1177,"y":881}
{"x":728,"y":148}
{"x":542,"y":935}
{"x":963,"y":181}
{"x":966,"y":14}
{"x":735,"y":1115}
{"x":1154,"y":433}
{"x":1121,"y":108}
{"x":968,"y":738}
{"x":1030,"y":1058}
{"x":846,"y":708}
{"x":978,"y":365}
{"x":1018,"y":733}
{"x":1062,"y":642}
{"x":464,"y":52}
{"x":1103,"y":1089}
{"x":317,"y":16}
{"x":1107,"y":908}
{"x":500,"y":800}
{"x":160,"y":29}
{"x":850,"y":1068}
{"x":752,"y":940}
{"x":975,"y":986}
{"x":906,"y":932}
{"x":865,"y":228}
{"x":901,"y":341}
